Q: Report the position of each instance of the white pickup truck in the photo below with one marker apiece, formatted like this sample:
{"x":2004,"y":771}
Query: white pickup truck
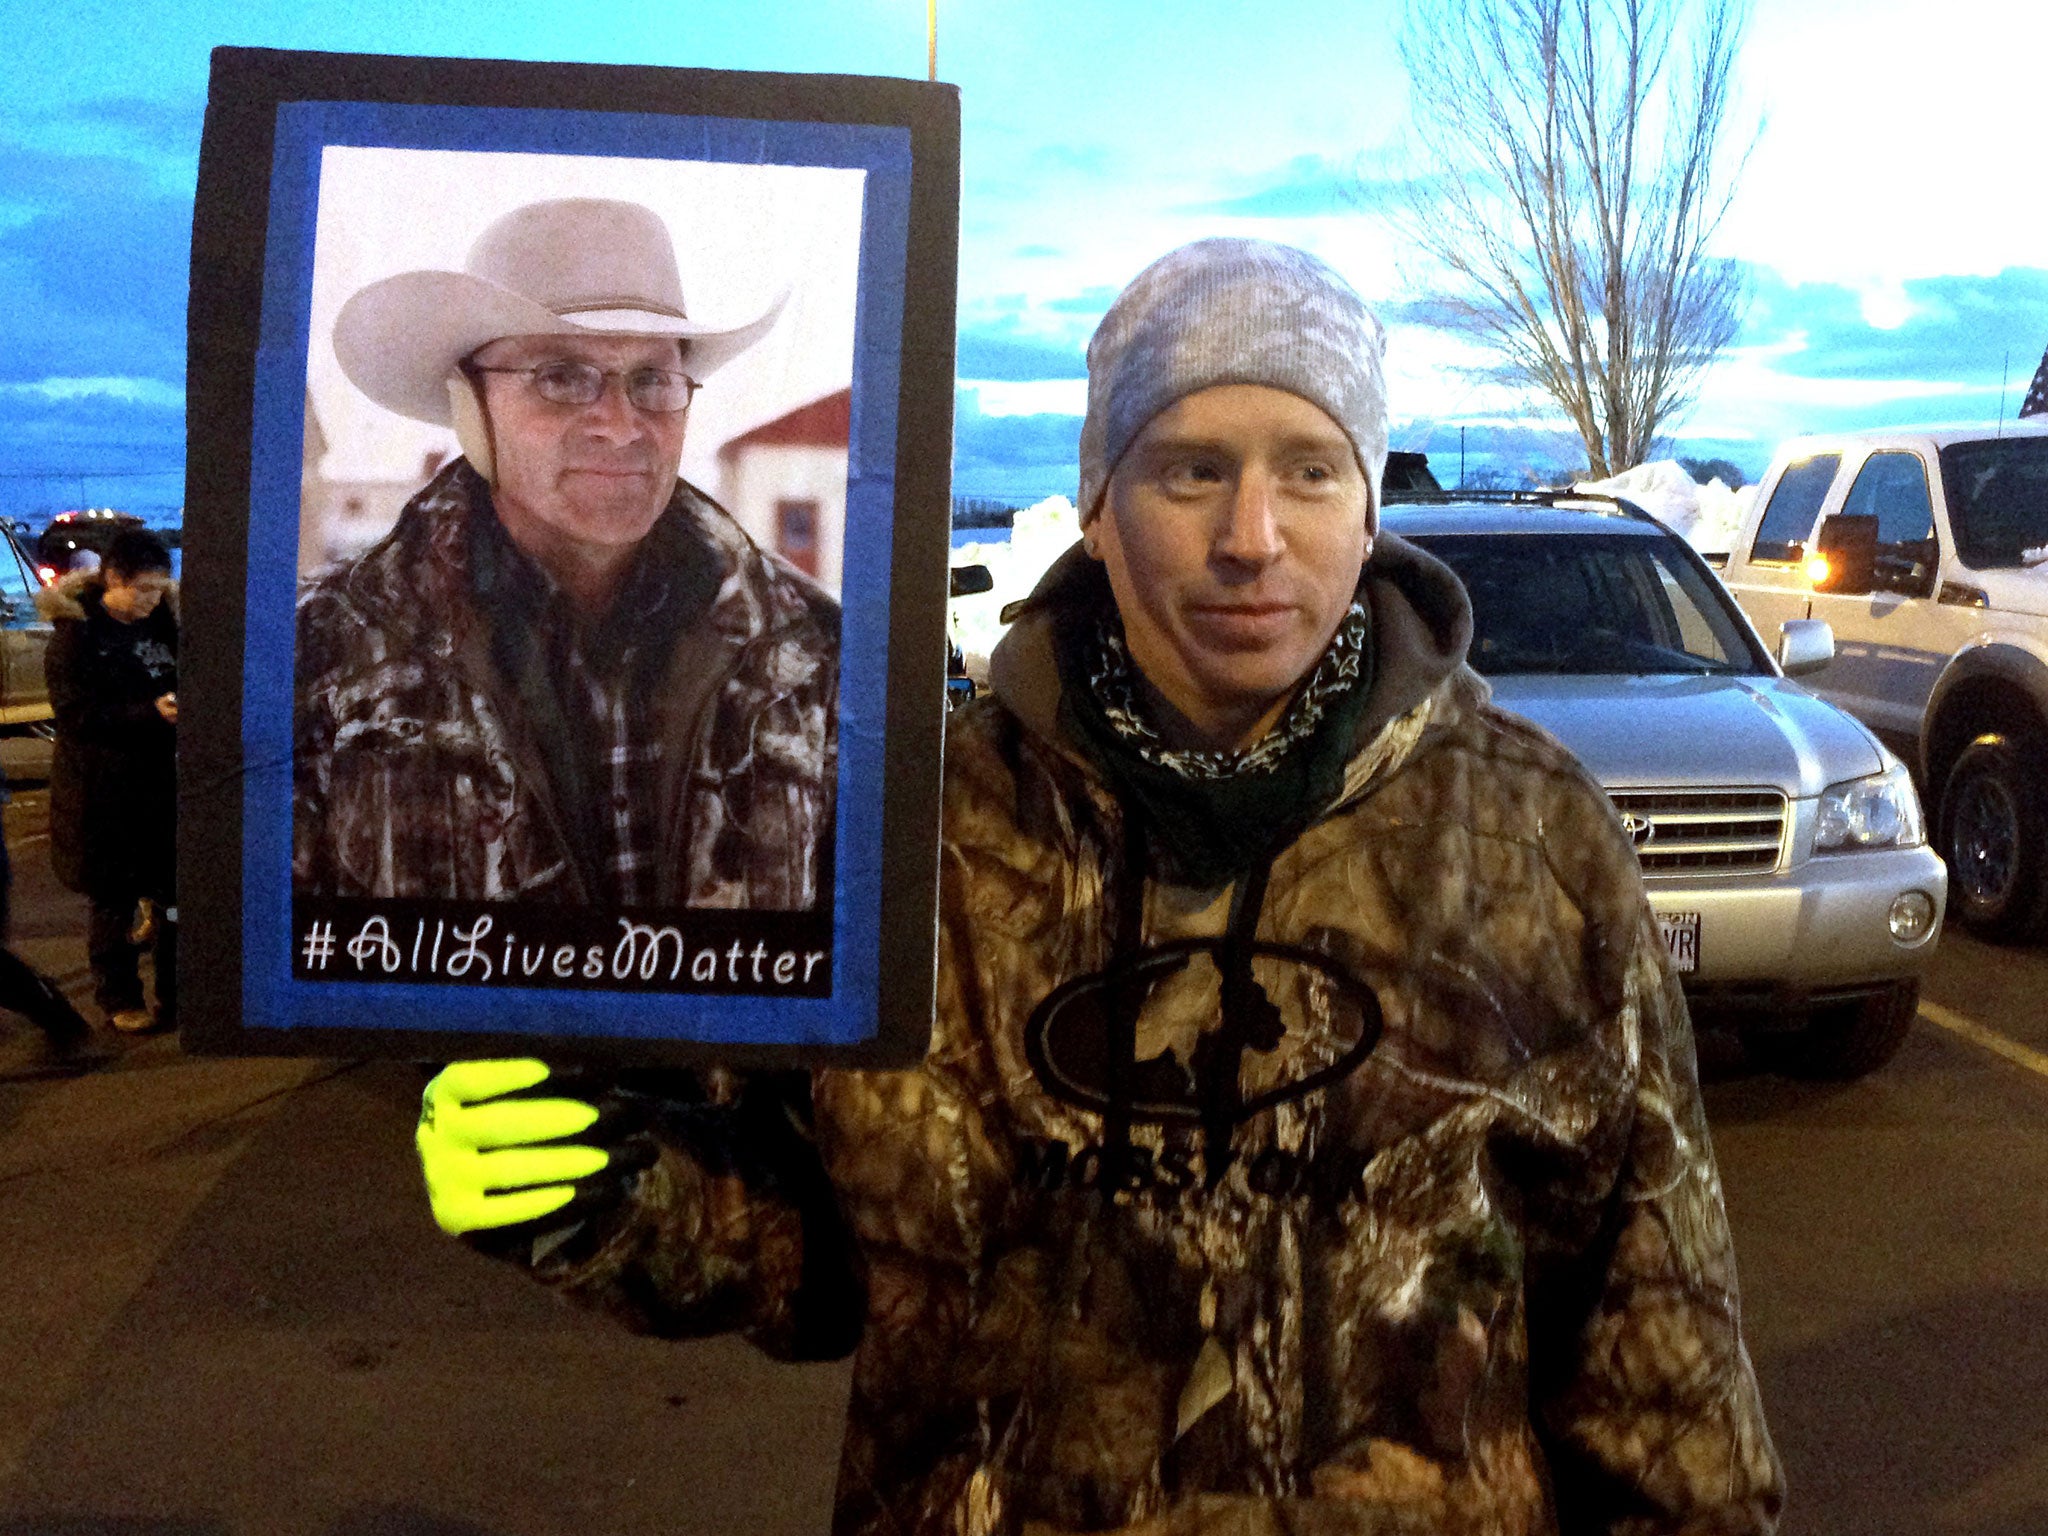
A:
{"x":1926,"y":552}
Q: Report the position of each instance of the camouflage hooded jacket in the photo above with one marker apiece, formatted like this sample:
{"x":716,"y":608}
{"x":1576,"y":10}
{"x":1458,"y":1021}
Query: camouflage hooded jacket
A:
{"x":418,"y":774}
{"x":1370,"y":1196}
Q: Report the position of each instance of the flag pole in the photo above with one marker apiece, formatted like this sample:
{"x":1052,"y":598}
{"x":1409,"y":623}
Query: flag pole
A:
{"x":931,"y":39}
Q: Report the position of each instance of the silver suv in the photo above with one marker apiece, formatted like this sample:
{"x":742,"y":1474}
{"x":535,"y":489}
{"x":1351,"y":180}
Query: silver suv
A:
{"x":1781,"y":843}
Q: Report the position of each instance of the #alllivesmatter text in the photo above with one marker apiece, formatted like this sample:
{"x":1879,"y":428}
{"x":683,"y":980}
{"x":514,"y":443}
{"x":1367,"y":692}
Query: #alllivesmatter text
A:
{"x":472,"y":953}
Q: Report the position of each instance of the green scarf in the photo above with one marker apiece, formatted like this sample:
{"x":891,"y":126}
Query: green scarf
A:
{"x":1213,"y":815}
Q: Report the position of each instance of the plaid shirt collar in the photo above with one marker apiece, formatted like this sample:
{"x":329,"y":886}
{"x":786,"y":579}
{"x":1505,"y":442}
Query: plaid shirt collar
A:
{"x":584,"y":684}
{"x":628,"y":757}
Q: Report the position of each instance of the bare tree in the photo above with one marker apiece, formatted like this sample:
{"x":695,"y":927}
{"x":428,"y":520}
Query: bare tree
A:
{"x":1573,"y":178}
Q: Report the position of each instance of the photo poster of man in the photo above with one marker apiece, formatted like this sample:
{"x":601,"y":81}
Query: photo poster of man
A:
{"x":567,"y":531}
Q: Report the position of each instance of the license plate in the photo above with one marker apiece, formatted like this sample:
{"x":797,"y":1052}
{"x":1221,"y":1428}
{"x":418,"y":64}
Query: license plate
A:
{"x":1681,"y":932}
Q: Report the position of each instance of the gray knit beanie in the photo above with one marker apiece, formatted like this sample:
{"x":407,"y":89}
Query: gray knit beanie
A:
{"x":1230,"y":311}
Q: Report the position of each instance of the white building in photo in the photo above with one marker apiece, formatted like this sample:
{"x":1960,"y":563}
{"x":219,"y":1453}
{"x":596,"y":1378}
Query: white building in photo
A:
{"x":341,"y":516}
{"x":785,"y":481}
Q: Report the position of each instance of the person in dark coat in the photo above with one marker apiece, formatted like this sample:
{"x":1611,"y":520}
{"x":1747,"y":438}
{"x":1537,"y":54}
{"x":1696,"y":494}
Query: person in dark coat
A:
{"x":112,"y":666}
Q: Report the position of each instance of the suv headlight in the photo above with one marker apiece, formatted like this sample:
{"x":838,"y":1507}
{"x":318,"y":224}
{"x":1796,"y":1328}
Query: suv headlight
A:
{"x":1881,"y":811}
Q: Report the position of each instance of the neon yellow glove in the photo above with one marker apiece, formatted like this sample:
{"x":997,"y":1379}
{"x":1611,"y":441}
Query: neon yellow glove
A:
{"x":482,"y":1152}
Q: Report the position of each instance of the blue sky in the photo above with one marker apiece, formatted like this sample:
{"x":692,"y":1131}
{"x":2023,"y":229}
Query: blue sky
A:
{"x":1890,"y":215}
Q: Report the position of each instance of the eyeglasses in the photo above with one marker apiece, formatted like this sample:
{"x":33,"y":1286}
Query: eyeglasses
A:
{"x":657,"y":391}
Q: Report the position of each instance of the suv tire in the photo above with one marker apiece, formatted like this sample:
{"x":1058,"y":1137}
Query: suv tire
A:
{"x":1852,"y":1039}
{"x":1994,"y":834}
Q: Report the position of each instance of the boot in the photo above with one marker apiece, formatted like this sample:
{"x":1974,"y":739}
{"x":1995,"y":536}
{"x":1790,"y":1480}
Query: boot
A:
{"x":67,"y":1037}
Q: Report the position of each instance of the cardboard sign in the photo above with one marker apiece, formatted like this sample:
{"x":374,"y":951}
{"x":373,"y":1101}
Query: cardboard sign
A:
{"x":566,"y":540}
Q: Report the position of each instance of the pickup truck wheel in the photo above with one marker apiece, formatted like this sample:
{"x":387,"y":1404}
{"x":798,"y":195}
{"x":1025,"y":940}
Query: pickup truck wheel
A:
{"x":1994,"y":835}
{"x":1855,"y":1038}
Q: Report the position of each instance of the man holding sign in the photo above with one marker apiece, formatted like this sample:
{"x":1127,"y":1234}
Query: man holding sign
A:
{"x":1309,"y":1139}
{"x":566,"y":675}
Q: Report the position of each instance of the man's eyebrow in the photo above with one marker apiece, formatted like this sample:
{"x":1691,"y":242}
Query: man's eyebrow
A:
{"x":1181,"y":443}
{"x":1317,"y":442}
{"x":1293,"y":442}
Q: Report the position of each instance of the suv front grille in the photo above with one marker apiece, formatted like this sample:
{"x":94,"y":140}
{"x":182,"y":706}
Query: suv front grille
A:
{"x":1705,"y":831}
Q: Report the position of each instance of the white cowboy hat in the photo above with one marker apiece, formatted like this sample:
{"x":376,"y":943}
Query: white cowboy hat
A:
{"x":572,"y":266}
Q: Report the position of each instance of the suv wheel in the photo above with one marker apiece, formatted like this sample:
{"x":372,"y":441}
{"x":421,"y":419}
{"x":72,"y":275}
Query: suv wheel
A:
{"x":1854,"y":1038}
{"x":1993,"y":828}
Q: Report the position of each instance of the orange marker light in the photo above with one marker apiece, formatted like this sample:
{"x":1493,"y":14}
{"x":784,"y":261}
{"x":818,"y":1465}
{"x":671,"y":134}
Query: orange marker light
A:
{"x":1817,"y":569}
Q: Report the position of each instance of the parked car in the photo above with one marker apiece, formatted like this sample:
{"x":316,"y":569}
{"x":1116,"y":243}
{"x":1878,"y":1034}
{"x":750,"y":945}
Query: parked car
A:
{"x":25,"y":730}
{"x":966,"y":581}
{"x":1780,"y":842}
{"x":72,"y":535}
{"x":1924,"y":550}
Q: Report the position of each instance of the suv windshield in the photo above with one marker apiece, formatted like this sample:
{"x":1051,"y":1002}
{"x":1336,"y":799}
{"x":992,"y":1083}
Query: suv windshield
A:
{"x":1997,"y":499}
{"x":1591,"y":603}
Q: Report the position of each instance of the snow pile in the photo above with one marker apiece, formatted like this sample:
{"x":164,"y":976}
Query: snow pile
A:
{"x":1039,"y":535}
{"x":1707,"y":516}
{"x":1722,"y":514}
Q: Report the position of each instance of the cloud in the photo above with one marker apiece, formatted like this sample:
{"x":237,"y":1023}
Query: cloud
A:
{"x":130,"y":391}
{"x":92,"y":448}
{"x":1431,"y":313}
{"x":1520,"y":454}
{"x":1019,"y":338}
{"x":95,"y":242}
{"x":1013,"y":456}
{"x":990,"y":353}
{"x":1810,"y":356}
{"x":1076,"y":159}
{"x":1955,"y":329}
{"x":144,"y":415}
{"x":1089,"y":301}
{"x":164,"y":125}
{"x":1308,"y":187}
{"x":1946,"y":330}
{"x":93,"y":269}
{"x":158,"y":138}
{"x":1028,"y":397}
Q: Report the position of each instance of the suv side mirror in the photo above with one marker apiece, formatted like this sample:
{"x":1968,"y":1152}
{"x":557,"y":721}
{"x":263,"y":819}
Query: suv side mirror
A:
{"x":1804,"y":645}
{"x":970,"y":579}
{"x":1848,"y":543}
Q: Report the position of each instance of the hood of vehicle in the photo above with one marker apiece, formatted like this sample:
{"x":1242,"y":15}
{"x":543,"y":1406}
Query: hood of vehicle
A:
{"x":1696,"y":732}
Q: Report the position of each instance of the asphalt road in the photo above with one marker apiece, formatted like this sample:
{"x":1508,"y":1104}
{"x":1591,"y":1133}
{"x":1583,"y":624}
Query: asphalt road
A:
{"x":224,"y":1309}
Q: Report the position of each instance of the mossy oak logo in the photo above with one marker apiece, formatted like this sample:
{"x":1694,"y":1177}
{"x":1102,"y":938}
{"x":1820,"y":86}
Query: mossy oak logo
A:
{"x":1082,"y":1043}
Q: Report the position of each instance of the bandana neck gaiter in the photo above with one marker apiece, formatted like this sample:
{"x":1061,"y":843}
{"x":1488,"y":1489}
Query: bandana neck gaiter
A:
{"x":1212,"y":815}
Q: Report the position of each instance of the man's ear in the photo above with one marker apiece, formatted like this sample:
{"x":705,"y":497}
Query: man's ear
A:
{"x":1091,"y":523}
{"x":472,"y":426}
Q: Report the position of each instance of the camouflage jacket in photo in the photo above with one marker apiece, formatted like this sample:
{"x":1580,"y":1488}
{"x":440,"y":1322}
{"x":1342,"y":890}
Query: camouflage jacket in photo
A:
{"x":417,"y":774}
{"x":1370,"y":1196}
